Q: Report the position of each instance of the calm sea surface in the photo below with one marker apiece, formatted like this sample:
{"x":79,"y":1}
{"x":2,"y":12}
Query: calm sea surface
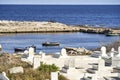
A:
{"x":88,"y":41}
{"x":105,"y":16}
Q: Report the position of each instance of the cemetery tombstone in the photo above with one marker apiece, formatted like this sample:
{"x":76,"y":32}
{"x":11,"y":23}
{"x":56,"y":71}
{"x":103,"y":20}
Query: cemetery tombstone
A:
{"x":36,"y":62}
{"x":54,"y":75}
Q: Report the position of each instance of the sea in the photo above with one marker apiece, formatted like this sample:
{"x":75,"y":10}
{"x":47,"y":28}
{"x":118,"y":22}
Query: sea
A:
{"x":89,"y":15}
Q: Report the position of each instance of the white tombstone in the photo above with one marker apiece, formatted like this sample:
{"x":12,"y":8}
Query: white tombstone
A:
{"x":102,"y":70}
{"x":0,"y":47}
{"x":31,"y":52}
{"x":115,"y":61}
{"x":112,"y":52}
{"x":63,"y":53}
{"x":118,"y":75}
{"x":3,"y":76}
{"x":94,"y":77}
{"x":118,"y":52}
{"x":70,"y":63}
{"x":101,"y":64}
{"x":54,"y":75}
{"x":85,"y":75}
{"x":43,"y":55}
{"x":40,"y":52}
{"x":26,"y":52}
{"x":103,"y":51}
{"x":36,"y":62}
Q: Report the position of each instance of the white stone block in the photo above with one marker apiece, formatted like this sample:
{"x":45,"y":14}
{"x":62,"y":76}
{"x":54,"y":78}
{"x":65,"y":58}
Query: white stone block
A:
{"x":112,"y":52}
{"x":40,"y":52}
{"x":3,"y":76}
{"x":95,"y":77}
{"x":43,"y":55}
{"x":0,"y":47}
{"x":70,"y":63}
{"x":119,"y":75}
{"x":63,"y":53}
{"x":54,"y":75}
{"x":16,"y":70}
{"x":103,"y":51}
{"x":26,"y":52}
{"x":36,"y":62}
{"x":31,"y":52}
{"x":115,"y":61}
{"x":118,"y":52}
{"x":101,"y":65}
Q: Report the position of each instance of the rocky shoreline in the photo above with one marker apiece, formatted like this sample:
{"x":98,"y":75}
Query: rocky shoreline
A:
{"x":43,"y":27}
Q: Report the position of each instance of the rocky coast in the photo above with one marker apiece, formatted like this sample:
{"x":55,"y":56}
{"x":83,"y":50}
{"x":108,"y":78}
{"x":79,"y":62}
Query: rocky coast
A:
{"x":41,"y":27}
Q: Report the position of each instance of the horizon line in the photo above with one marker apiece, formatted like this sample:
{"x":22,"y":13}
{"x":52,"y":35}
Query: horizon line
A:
{"x":59,"y":4}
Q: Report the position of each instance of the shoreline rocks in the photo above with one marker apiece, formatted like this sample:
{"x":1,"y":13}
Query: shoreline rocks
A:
{"x":44,"y":27}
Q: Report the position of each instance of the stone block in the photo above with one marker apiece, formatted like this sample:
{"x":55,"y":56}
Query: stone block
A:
{"x":16,"y":70}
{"x":36,"y":62}
{"x":3,"y":76}
{"x":54,"y":75}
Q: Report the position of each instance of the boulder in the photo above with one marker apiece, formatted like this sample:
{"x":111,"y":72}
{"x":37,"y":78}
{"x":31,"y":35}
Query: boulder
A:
{"x":16,"y":70}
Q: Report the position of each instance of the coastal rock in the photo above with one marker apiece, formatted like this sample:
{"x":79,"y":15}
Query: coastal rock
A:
{"x":28,"y":26}
{"x":77,"y":51}
{"x":35,"y":27}
{"x":16,"y":70}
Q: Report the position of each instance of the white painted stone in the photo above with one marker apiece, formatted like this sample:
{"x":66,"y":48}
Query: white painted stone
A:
{"x":101,"y":65}
{"x":54,"y":75}
{"x":63,"y":53}
{"x":40,"y":52}
{"x":112,"y":52}
{"x":119,"y":75}
{"x":70,"y":63}
{"x":16,"y":70}
{"x":31,"y":52}
{"x":43,"y":55}
{"x":26,"y":52}
{"x":118,"y":52}
{"x":3,"y":76}
{"x":102,"y":70}
{"x":36,"y":62}
{"x":85,"y":75}
{"x":103,"y":51}
{"x":56,"y":55}
{"x":95,"y":77}
{"x":0,"y":47}
{"x":116,"y":61}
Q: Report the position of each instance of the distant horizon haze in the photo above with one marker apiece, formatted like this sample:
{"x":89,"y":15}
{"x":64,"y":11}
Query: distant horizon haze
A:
{"x":61,"y":2}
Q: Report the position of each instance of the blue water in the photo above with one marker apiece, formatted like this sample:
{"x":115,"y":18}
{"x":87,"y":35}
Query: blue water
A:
{"x":105,"y":16}
{"x":89,"y":41}
{"x":99,"y":16}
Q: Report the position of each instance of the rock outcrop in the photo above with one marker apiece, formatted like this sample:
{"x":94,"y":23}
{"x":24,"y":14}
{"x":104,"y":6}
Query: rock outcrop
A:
{"x":40,"y":27}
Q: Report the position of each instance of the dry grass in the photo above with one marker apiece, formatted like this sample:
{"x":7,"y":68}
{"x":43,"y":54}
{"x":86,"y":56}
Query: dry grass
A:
{"x":8,"y":61}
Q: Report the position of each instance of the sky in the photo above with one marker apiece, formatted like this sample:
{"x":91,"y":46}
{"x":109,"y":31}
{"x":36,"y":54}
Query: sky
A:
{"x":74,"y":2}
